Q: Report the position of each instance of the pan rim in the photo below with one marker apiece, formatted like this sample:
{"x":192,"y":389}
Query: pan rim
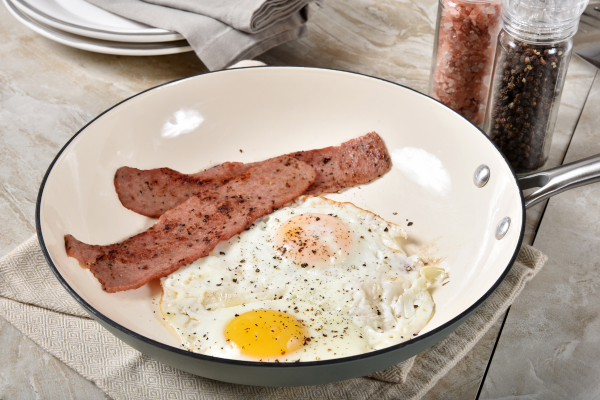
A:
{"x":196,"y":356}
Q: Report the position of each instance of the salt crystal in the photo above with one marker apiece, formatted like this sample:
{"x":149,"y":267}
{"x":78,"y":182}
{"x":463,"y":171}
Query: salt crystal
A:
{"x":466,"y":49}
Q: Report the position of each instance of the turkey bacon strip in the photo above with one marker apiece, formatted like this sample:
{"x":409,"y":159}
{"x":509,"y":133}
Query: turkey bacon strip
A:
{"x":152,"y":192}
{"x":192,"y":229}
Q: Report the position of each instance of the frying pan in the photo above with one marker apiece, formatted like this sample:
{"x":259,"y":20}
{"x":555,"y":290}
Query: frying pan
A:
{"x":448,"y":179}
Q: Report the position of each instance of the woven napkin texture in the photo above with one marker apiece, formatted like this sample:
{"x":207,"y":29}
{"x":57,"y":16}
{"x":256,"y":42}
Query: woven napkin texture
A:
{"x":217,"y":44}
{"x":33,"y":300}
{"x":250,"y":16}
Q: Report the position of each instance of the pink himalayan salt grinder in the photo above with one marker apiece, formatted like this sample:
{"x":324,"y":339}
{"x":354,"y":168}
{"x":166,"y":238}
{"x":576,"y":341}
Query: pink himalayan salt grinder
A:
{"x":463,"y":55}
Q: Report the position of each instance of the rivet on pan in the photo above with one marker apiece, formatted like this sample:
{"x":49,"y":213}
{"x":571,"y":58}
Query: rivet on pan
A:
{"x":502,"y":228}
{"x":481,"y":176}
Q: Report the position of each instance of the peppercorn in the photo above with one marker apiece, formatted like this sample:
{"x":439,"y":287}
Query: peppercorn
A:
{"x":523,"y":97}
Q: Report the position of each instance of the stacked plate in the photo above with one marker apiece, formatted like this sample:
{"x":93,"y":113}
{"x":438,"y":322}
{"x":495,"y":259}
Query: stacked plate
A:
{"x":82,"y":25}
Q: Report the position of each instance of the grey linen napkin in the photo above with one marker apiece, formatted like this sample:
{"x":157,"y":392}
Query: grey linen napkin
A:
{"x":36,"y":304}
{"x":217,"y":44}
{"x":249,"y":16}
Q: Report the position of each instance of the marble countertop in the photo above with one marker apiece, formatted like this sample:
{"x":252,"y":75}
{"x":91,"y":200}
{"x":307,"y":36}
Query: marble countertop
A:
{"x":546,"y":347}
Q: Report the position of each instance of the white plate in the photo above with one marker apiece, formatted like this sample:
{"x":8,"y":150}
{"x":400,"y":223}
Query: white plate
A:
{"x":96,"y":45}
{"x":266,"y":112}
{"x":84,"y":19}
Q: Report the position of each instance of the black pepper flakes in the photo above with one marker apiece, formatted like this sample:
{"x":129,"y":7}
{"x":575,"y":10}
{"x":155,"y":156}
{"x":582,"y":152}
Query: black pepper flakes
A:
{"x":524,"y":99}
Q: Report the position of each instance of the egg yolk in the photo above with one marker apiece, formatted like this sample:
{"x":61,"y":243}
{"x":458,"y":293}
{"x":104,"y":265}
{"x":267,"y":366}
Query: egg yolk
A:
{"x":310,"y":239}
{"x":265,"y":333}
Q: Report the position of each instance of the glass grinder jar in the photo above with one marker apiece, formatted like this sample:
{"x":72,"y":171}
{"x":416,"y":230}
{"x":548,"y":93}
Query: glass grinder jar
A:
{"x":464,"y":48}
{"x":532,"y":56}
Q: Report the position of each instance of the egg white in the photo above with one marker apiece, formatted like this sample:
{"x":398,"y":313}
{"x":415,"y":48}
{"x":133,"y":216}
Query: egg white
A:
{"x":372,"y":297}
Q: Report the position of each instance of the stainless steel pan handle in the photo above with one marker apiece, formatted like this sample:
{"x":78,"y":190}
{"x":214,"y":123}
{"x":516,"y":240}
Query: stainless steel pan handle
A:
{"x":559,"y":179}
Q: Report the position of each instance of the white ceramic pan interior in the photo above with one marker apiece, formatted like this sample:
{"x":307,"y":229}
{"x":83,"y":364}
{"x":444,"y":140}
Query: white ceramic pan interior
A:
{"x":201,"y":121}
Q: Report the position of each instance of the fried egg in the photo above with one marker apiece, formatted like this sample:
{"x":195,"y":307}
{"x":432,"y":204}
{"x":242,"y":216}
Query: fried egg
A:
{"x":315,"y":280}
